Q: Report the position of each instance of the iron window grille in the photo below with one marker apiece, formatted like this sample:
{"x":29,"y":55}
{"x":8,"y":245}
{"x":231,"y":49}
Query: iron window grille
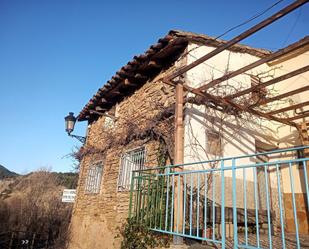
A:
{"x":130,"y":161}
{"x":93,"y":182}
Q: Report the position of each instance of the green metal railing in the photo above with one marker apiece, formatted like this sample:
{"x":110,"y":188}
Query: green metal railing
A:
{"x":204,"y":200}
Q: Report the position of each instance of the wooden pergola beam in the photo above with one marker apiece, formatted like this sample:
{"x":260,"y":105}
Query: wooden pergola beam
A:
{"x":239,"y":38}
{"x":257,"y":63}
{"x":259,"y":113}
{"x":227,"y":103}
{"x":281,"y":96}
{"x":270,"y":82}
{"x":289,"y":108}
{"x":304,"y":115}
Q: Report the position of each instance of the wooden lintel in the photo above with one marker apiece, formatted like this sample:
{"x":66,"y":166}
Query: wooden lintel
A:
{"x":270,"y":82}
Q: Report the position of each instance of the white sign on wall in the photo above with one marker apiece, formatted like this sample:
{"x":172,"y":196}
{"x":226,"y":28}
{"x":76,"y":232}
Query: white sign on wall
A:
{"x":68,"y":195}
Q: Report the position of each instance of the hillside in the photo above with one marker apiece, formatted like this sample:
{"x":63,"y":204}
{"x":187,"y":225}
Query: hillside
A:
{"x":5,"y":173}
{"x":11,"y":181}
{"x":31,"y":204}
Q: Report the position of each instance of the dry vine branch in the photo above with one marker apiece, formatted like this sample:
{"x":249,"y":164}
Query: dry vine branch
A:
{"x":158,"y":127}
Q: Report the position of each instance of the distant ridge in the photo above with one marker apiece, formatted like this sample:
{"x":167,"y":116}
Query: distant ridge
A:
{"x":5,"y":173}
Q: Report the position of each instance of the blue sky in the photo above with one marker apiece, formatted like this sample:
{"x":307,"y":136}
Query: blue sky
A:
{"x":54,"y":55}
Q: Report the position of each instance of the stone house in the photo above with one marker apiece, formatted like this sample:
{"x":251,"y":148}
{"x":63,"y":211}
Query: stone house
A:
{"x":131,"y":127}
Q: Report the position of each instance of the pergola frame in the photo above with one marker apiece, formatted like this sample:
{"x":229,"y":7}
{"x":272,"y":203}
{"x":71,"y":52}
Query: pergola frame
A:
{"x":228,"y":102}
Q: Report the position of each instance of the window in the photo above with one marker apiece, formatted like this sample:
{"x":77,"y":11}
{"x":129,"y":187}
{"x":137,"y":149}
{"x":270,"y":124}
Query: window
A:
{"x":213,"y":143}
{"x":93,"y":181}
{"x":131,"y":160}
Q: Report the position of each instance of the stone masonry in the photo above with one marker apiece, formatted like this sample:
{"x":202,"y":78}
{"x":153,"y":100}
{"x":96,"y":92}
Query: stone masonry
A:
{"x":96,"y":217}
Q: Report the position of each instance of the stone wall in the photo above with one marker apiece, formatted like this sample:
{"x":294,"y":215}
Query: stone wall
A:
{"x":96,"y":217}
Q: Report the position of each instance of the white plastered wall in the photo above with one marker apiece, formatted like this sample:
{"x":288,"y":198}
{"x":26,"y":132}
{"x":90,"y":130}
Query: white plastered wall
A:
{"x":239,"y":138}
{"x":289,"y":136}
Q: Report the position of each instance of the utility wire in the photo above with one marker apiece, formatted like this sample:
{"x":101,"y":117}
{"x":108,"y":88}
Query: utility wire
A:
{"x":250,"y":19}
{"x":239,"y":25}
{"x":292,"y":28}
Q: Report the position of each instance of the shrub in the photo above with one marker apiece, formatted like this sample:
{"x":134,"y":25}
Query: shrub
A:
{"x":136,"y":235}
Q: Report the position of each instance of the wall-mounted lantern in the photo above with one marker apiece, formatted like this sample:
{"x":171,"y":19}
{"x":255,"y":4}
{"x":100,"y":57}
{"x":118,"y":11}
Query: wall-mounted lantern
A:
{"x":70,"y":121}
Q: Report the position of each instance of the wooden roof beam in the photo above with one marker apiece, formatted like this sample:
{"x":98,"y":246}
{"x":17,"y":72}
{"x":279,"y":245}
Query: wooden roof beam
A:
{"x":226,"y":103}
{"x":99,"y":108}
{"x":289,"y":108}
{"x":140,"y":77}
{"x":104,"y":100}
{"x":305,"y":115}
{"x":270,"y":82}
{"x":240,"y":37}
{"x":257,"y":63}
{"x":259,"y":113}
{"x":128,"y":82}
{"x":281,"y":96}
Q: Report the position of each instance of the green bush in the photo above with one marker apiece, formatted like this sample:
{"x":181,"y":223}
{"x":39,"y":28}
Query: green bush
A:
{"x":136,"y":235}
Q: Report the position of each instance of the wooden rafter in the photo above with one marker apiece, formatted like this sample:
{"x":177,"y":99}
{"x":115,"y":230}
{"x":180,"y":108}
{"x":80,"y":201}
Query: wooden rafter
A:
{"x":239,"y":38}
{"x":227,"y":104}
{"x":270,"y":82}
{"x":289,"y":108}
{"x":273,"y":56}
{"x":281,"y":96}
{"x":304,"y":115}
{"x":259,"y":113}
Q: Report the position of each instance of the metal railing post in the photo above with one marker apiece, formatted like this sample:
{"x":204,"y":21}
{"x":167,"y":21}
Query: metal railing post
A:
{"x":131,"y":194}
{"x":167,"y":198}
{"x":196,"y":213}
{"x":280,"y":206}
{"x":268,"y":207}
{"x":306,"y":183}
{"x":222,"y":205}
{"x":256,"y":201}
{"x":294,"y":204}
{"x":234,"y":204}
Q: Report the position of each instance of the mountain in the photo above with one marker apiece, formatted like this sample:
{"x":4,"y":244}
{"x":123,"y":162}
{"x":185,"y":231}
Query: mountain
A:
{"x":12,"y":184}
{"x":5,"y":173}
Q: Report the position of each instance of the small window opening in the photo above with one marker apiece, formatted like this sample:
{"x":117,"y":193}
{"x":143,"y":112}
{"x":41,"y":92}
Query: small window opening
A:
{"x":94,"y":177}
{"x":130,"y":161}
{"x":213,"y":143}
